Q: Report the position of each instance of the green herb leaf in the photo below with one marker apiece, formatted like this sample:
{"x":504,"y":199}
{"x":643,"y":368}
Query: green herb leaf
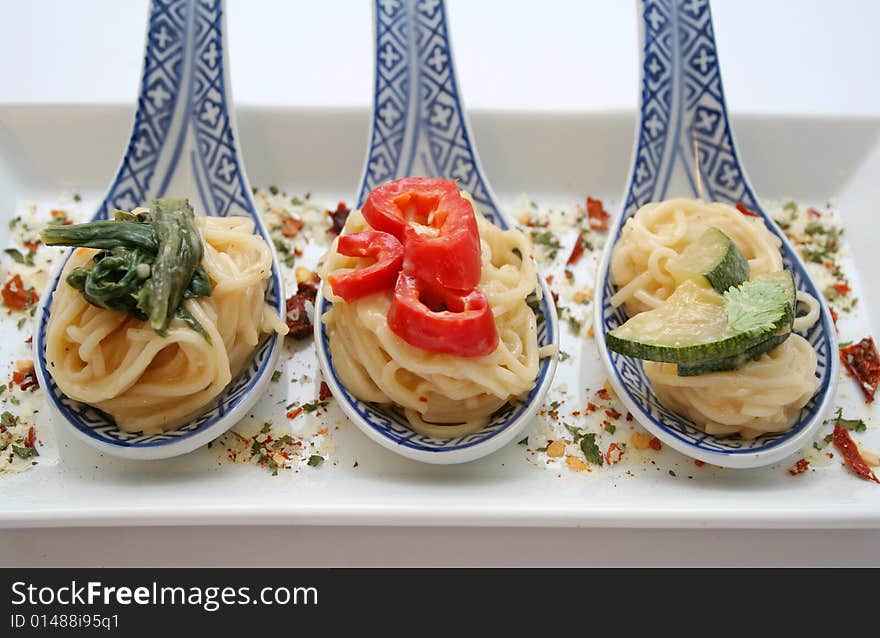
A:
{"x":276,"y":376}
{"x":314,"y":405}
{"x":24,"y":452}
{"x":590,"y":449}
{"x":16,"y":255}
{"x":755,"y":306}
{"x":315,"y":460}
{"x":523,"y":441}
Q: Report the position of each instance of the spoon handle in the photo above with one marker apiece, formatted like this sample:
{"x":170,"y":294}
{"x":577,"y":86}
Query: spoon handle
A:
{"x":184,"y":139}
{"x":685,"y":142}
{"x":419,"y":125}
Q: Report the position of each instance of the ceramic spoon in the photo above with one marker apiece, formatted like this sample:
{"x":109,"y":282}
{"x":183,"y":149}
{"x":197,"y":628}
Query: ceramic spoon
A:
{"x":184,"y":143}
{"x":420,"y":128}
{"x":685,"y":148}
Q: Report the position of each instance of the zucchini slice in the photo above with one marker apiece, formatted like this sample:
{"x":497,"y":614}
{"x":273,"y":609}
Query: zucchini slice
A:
{"x":698,"y":325}
{"x":734,"y":362}
{"x":713,"y":257}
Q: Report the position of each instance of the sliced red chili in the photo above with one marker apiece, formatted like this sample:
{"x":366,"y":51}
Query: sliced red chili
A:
{"x":442,"y":320}
{"x":384,"y":248}
{"x":436,"y":225}
{"x":597,"y":215}
{"x":862,"y":360}
{"x":843,"y":442}
{"x":746,"y":211}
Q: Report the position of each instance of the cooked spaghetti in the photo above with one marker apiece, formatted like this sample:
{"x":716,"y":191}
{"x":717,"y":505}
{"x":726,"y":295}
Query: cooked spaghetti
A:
{"x":441,"y":395}
{"x":762,"y":397}
{"x":147,"y":382}
{"x":660,"y":231}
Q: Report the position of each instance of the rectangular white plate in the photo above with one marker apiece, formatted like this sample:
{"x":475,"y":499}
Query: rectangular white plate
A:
{"x":47,"y":152}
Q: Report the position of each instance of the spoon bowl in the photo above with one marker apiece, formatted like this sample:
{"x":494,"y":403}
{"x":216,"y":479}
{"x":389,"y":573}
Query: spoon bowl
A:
{"x":184,"y":143}
{"x":685,"y":148}
{"x":420,"y":127}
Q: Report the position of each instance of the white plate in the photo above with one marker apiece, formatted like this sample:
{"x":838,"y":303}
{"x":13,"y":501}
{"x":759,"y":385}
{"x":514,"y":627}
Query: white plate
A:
{"x":557,"y":159}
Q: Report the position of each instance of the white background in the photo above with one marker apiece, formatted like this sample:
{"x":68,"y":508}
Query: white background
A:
{"x":779,"y":56}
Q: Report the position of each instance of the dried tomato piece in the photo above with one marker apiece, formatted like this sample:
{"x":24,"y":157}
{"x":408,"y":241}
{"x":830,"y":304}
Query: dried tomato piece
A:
{"x":746,"y":211}
{"x":800,"y":467}
{"x":338,"y":218}
{"x":597,"y":214}
{"x":31,"y":437}
{"x":16,"y":297}
{"x":843,"y":442}
{"x":613,"y":454}
{"x":291,"y":226}
{"x":577,"y":250}
{"x":298,"y":322}
{"x":862,"y":360}
{"x":324,"y":393}
{"x":24,"y":379}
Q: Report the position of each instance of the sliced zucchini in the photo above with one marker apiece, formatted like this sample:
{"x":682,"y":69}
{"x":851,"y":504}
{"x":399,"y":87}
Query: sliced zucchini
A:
{"x":734,"y":362}
{"x":697,"y":325}
{"x":713,"y":257}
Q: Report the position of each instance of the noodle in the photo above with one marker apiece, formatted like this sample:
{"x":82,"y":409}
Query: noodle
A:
{"x":764,"y":395}
{"x":660,"y":231}
{"x":761,"y":397}
{"x":149,"y":383}
{"x":442,"y":395}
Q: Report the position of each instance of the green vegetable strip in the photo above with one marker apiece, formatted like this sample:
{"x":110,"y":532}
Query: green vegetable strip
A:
{"x":179,"y":254}
{"x":102,"y":235}
{"x":150,"y":262}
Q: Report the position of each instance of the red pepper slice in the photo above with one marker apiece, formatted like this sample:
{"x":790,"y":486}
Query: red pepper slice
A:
{"x":748,"y":212}
{"x":384,"y":248}
{"x":843,"y":442}
{"x":863,"y":362}
{"x":442,"y":320}
{"x":436,"y":225}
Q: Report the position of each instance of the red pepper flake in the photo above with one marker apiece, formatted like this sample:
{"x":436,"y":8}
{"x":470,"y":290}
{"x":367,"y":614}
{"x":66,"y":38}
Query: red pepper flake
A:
{"x":298,"y":322}
{"x":338,"y":218}
{"x":629,"y":416}
{"x":549,"y":279}
{"x":746,"y":211}
{"x":423,"y":399}
{"x":614,"y":414}
{"x":294,"y":413}
{"x":577,"y":250}
{"x":699,"y":463}
{"x":58,"y":214}
{"x":613,"y":454}
{"x":850,"y":452}
{"x":597,"y":214}
{"x":32,"y":245}
{"x":812,"y":213}
{"x":833,"y":315}
{"x":862,"y":360}
{"x":291,"y":226}
{"x":800,"y":467}
{"x":24,"y":379}
{"x":29,"y":340}
{"x":592,"y":407}
{"x":324,"y":393}
{"x":16,"y":297}
{"x":31,"y":437}
{"x":843,"y":289}
{"x":602,"y":393}
{"x":655,"y":444}
{"x":576,"y":413}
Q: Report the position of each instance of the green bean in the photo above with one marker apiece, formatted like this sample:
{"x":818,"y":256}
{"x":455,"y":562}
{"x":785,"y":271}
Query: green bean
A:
{"x":179,"y":254}
{"x":165,"y":240}
{"x":102,"y":235}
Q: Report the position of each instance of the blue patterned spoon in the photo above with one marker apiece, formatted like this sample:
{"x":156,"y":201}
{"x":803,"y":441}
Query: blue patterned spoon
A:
{"x":685,"y":148}
{"x":420,"y":128}
{"x":184,"y":143}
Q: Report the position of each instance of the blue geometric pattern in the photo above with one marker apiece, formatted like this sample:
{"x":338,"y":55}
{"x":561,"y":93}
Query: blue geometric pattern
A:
{"x":185,"y":63}
{"x":419,"y":128}
{"x":684,"y":130}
